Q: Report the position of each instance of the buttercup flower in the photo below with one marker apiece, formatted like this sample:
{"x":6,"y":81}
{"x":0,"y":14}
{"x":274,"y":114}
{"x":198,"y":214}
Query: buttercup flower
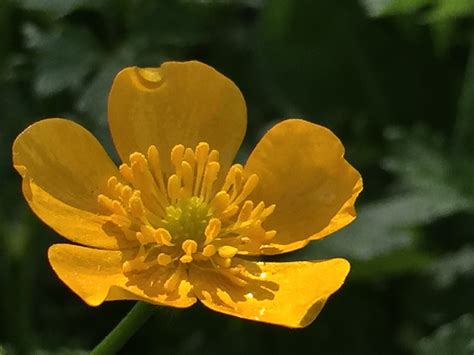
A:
{"x":176,"y":222}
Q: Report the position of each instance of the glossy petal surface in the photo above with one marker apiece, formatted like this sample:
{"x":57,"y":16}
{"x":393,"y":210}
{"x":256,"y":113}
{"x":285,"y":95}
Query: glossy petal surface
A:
{"x":96,"y":276}
{"x":290,"y":294}
{"x":64,"y":168}
{"x":178,"y":103}
{"x":302,"y":170}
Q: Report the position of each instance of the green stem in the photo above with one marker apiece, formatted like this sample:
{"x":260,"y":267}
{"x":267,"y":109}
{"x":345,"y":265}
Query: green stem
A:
{"x":127,"y":327}
{"x":464,"y":126}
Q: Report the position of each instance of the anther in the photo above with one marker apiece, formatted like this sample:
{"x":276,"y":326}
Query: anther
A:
{"x":163,"y":237}
{"x":220,"y":202}
{"x":188,"y":179}
{"x":174,"y":187}
{"x":249,"y":186}
{"x":177,"y":155}
{"x":202,"y":152}
{"x":136,"y":205}
{"x":163,"y":259}
{"x":227,"y":251}
{"x":126,"y":172}
{"x":213,"y":228}
{"x":189,"y":157}
{"x":154,"y":164}
{"x":209,"y":250}
{"x":189,"y":246}
{"x":245,"y":211}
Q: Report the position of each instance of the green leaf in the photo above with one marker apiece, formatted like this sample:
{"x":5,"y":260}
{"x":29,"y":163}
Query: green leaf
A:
{"x":394,"y":7}
{"x":94,"y":97}
{"x":447,"y":269}
{"x":64,"y":57}
{"x":453,"y":338}
{"x":375,"y":8}
{"x":3,"y":351}
{"x":57,"y":8}
{"x":388,"y":225}
{"x":398,"y":262}
{"x":430,"y":10}
{"x":450,"y":9}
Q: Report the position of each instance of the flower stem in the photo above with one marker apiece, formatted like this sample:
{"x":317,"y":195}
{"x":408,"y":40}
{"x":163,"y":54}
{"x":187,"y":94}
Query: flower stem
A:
{"x":127,"y":327}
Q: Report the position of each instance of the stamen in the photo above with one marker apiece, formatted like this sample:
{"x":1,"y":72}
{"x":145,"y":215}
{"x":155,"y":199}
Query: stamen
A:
{"x":126,"y":172}
{"x":174,"y":188}
{"x":189,"y":246}
{"x":164,"y":259}
{"x":249,"y":186}
{"x":212,"y":230}
{"x":210,"y":176}
{"x":245,"y":212}
{"x":162,"y":236}
{"x":177,"y":156}
{"x":227,"y":251}
{"x":154,"y":163}
{"x":209,"y":250}
{"x":172,"y":283}
{"x":171,"y":217}
{"x":220,"y":202}
{"x":188,"y":179}
{"x":202,"y":152}
{"x":148,"y":234}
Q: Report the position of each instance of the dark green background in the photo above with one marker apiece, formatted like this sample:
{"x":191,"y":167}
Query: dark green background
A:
{"x":394,"y":79}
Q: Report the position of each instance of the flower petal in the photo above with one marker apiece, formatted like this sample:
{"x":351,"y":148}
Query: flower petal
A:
{"x":64,"y":168}
{"x":96,"y":276}
{"x":290,"y":294}
{"x":178,"y":103}
{"x":302,"y":170}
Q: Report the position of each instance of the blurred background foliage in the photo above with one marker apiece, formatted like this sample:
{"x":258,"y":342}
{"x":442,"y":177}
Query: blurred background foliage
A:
{"x":393,"y":78}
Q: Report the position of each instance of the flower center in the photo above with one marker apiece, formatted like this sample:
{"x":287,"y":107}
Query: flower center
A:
{"x":182,"y":217}
{"x":187,"y":219}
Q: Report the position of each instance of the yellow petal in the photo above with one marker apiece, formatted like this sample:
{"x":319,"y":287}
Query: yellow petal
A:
{"x":178,"y":103}
{"x":64,"y":168}
{"x":290,"y":294}
{"x":96,"y":276}
{"x":302,"y":170}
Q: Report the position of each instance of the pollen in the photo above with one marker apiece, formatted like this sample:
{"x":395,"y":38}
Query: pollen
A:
{"x":193,"y":214}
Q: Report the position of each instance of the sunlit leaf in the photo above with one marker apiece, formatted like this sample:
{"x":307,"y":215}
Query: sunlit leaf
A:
{"x":64,"y":57}
{"x":448,"y":9}
{"x":453,"y":338}
{"x":57,"y":8}
{"x":447,"y":269}
{"x":392,"y":7}
{"x":389,"y":225}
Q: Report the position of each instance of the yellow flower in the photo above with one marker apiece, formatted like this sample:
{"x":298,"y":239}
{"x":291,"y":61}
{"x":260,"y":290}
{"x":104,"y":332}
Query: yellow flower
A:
{"x":176,"y":222}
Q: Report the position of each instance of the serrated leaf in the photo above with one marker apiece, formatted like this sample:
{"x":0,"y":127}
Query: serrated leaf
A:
{"x":56,"y":8}
{"x":393,"y":7}
{"x":94,"y":98}
{"x":64,"y":58}
{"x":399,"y":7}
{"x":375,"y":7}
{"x":453,"y":338}
{"x":450,"y":267}
{"x":388,"y":225}
{"x":429,"y":10}
{"x":451,"y":9}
